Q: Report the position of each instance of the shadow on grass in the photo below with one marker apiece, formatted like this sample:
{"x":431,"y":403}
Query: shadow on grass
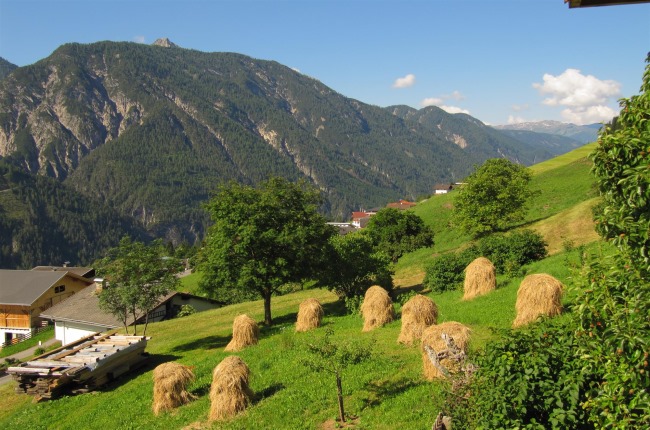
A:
{"x":268,"y":392}
{"x":208,"y":342}
{"x":379,"y":391}
{"x":335,"y":309}
{"x":147,"y":365}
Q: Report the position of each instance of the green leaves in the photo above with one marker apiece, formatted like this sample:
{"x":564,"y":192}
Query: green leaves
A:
{"x":263,"y":238}
{"x":396,"y":232}
{"x":138,"y":277}
{"x":492,"y":197}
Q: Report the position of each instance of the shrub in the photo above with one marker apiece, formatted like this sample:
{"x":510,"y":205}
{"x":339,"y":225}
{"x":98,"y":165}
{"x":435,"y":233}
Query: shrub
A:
{"x":445,"y":273}
{"x":185,"y":311}
{"x":530,"y":378}
{"x":510,"y":252}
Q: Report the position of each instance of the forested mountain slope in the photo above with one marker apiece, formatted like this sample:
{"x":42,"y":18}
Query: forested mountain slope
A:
{"x":44,"y":222}
{"x":152,"y":130}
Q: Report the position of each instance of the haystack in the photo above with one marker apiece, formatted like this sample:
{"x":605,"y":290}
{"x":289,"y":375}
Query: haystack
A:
{"x":377,"y":308}
{"x":432,"y":336}
{"x":170,"y":381}
{"x":480,"y":278}
{"x":244,"y":333}
{"x":310,"y":314}
{"x":417,"y":314}
{"x":538,"y":295}
{"x":229,"y":393}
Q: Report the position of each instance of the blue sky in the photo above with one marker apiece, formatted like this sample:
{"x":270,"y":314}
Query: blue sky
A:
{"x":498,"y":60}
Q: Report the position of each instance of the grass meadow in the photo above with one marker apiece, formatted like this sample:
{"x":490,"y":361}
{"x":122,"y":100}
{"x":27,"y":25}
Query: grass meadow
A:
{"x":385,"y":392}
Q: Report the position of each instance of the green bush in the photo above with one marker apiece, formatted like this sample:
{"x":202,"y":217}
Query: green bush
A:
{"x":445,"y":273}
{"x":185,"y":311}
{"x":510,"y":252}
{"x":531,"y":378}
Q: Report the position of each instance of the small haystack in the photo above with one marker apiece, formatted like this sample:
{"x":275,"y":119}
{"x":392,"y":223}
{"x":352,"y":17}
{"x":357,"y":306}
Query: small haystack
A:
{"x":170,"y":381}
{"x":480,"y":278}
{"x":538,"y":295}
{"x":417,"y":314}
{"x":433,"y":337}
{"x":229,"y":393}
{"x":377,"y":308}
{"x":310,"y":314}
{"x":244,"y":333}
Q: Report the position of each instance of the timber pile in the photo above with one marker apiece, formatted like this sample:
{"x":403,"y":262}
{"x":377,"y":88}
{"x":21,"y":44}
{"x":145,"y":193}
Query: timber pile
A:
{"x":80,"y":367}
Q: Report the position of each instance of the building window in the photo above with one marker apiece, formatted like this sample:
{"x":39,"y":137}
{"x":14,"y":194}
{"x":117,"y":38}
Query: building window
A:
{"x":59,"y":289}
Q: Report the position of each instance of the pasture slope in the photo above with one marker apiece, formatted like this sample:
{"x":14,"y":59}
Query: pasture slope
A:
{"x":385,"y":392}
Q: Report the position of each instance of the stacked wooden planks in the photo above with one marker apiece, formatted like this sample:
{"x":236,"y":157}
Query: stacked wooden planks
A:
{"x":81,"y":366}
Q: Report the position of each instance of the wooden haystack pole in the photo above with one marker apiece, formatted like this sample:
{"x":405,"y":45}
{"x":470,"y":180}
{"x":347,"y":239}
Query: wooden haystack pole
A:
{"x":170,"y":381}
{"x":448,"y":343}
{"x":417,"y":314}
{"x":245,"y":332}
{"x":480,"y":278}
{"x":310,"y":314}
{"x":229,"y":392}
{"x":538,"y":295}
{"x":377,"y":308}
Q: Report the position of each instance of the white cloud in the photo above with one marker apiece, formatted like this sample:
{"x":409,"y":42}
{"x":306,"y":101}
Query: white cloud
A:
{"x":588,"y":115}
{"x":572,"y":88}
{"x":585,"y":97}
{"x":456,"y":95}
{"x":515,"y":119}
{"x":519,"y":108}
{"x":405,"y":82}
{"x":431,"y":101}
{"x":139,"y":39}
{"x":454,"y":109}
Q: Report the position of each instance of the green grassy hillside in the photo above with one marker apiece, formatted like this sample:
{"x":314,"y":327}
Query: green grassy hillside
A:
{"x":566,"y":192}
{"x":386,"y":392}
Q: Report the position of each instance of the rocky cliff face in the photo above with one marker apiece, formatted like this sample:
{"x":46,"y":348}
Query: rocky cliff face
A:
{"x":152,"y":130}
{"x":55,"y":128}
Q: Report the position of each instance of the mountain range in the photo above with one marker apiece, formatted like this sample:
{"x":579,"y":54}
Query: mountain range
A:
{"x":147,"y":132}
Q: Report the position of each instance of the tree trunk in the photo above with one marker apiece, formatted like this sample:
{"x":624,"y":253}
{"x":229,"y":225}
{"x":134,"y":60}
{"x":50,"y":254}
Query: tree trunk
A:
{"x":339,"y":393}
{"x":267,"y":309}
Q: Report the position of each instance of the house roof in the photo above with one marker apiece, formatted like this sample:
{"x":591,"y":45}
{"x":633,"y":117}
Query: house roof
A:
{"x":83,"y":307}
{"x":589,"y":3}
{"x":24,"y":287}
{"x":86,"y":272}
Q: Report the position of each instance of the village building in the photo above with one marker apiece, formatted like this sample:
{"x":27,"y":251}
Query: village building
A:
{"x":25,"y":294}
{"x":80,"y":315}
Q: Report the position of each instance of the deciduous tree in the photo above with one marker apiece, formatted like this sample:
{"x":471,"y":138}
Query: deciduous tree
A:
{"x":356,"y":265}
{"x":138,"y":276}
{"x":396,"y":232}
{"x":493,"y":196}
{"x":263,"y":238}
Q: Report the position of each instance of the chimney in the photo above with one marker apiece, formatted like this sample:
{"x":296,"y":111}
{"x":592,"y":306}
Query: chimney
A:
{"x":100,"y":283}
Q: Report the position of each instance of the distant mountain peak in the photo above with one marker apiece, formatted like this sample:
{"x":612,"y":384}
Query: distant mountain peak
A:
{"x":165,"y":42}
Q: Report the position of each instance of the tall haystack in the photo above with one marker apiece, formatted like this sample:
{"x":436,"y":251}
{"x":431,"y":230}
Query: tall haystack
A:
{"x":229,"y":392}
{"x":538,"y":295}
{"x":310,"y":314}
{"x":480,"y":278}
{"x":433,"y":337}
{"x":377,"y":308}
{"x":244,"y":333}
{"x":170,"y":381}
{"x":417,"y":314}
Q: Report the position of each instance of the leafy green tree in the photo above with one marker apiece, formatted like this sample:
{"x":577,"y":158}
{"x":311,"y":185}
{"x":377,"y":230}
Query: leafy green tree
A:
{"x":590,"y":370}
{"x":493,"y":196}
{"x":357,"y":266}
{"x":263,"y":238}
{"x":335,"y":358}
{"x":396,"y":232}
{"x":138,"y":276}
{"x":614,"y":328}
